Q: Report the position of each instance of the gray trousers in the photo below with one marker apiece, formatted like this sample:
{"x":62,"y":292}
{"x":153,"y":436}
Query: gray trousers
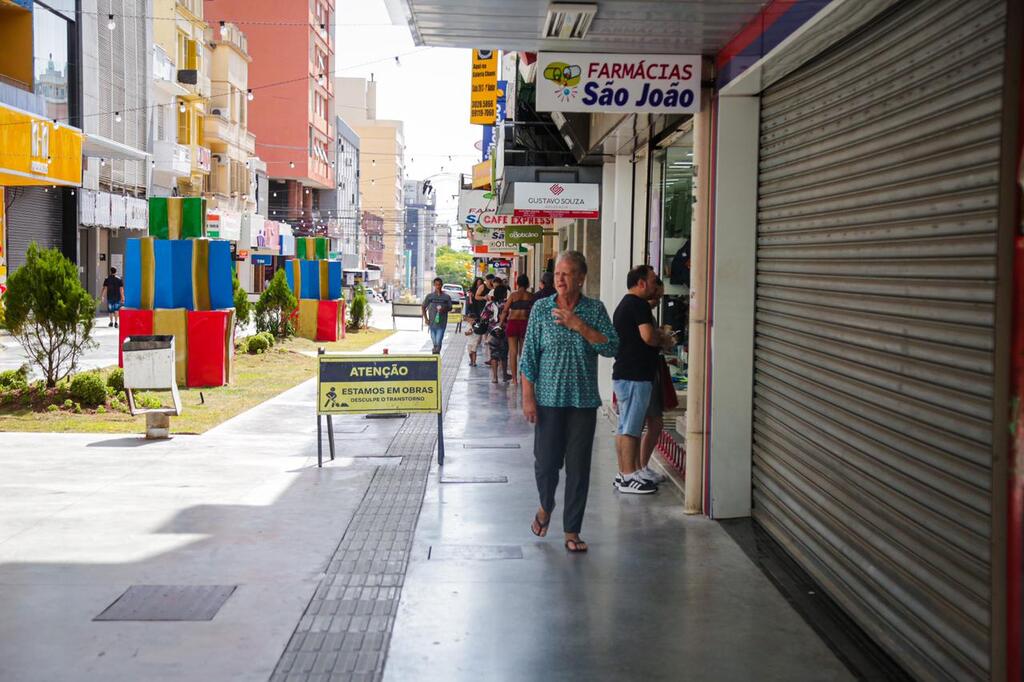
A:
{"x":564,"y":435}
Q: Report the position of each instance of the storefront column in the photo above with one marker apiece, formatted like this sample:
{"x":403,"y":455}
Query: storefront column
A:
{"x":608,"y":197}
{"x":732,"y":306}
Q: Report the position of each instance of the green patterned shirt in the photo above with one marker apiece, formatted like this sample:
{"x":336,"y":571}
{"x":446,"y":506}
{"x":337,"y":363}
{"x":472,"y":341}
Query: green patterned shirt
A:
{"x":561,"y":364}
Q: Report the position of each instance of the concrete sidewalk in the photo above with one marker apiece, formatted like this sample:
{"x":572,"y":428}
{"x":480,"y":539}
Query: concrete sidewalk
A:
{"x":659,"y":596}
{"x":85,"y":517}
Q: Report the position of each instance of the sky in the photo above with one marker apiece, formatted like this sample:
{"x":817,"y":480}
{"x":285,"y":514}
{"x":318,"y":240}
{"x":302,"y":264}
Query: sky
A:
{"x":429,"y":91}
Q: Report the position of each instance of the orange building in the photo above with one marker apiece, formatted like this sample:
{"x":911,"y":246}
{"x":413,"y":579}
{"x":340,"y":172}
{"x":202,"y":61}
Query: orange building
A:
{"x":291,"y":114}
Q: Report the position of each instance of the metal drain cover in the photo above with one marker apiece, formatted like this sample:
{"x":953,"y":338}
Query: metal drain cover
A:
{"x":474,"y":552}
{"x":474,"y":479}
{"x":168,"y":602}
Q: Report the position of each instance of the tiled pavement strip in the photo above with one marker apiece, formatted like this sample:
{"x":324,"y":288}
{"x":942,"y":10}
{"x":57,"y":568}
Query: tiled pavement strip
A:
{"x":346,"y":628}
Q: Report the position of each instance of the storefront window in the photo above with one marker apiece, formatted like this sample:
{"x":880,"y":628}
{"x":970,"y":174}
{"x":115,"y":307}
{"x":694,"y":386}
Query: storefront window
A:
{"x":51,"y":39}
{"x":670,"y":215}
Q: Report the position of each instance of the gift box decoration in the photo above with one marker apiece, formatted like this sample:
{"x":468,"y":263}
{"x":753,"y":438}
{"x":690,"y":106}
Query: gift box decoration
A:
{"x":177,"y":217}
{"x":320,"y":320}
{"x":314,"y":279}
{"x":194,"y":274}
{"x":203,"y":341}
{"x":312,"y":248}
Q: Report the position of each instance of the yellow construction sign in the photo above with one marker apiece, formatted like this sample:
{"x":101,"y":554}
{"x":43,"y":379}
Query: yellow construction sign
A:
{"x":378,"y":384}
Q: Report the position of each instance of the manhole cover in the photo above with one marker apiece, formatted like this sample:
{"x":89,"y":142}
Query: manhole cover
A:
{"x":491,"y":446}
{"x":168,"y":602}
{"x":474,"y":479}
{"x":474,"y":552}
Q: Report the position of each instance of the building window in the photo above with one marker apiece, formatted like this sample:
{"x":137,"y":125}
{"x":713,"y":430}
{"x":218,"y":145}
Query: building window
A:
{"x":51,"y":46}
{"x":185,"y":126}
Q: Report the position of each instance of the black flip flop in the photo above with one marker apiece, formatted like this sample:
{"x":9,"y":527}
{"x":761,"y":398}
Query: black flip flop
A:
{"x":537,"y":528}
{"x":576,"y":548}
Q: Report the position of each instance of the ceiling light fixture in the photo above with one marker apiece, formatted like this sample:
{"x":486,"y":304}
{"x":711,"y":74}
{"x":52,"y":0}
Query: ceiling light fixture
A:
{"x":568,"y":20}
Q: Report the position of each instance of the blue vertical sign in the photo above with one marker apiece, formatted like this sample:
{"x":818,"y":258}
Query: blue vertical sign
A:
{"x":488,"y":140}
{"x":502,"y":100}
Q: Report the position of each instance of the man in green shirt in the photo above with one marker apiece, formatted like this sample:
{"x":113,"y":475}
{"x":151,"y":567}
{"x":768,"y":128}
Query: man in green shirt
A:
{"x":564,"y":336}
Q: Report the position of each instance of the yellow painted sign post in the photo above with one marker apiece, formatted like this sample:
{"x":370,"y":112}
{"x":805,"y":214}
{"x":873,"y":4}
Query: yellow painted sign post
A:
{"x":483,"y":97}
{"x":377,"y":384}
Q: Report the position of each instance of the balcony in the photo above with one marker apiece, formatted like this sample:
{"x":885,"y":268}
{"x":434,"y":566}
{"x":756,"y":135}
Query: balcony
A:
{"x":19,"y":95}
{"x":217,"y":127}
{"x":201,"y":159}
{"x":194,"y":83}
{"x":165,"y":74}
{"x":172,"y":160}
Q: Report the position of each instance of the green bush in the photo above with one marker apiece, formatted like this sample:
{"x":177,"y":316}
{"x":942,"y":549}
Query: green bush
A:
{"x":52,"y":408}
{"x":275,"y":307}
{"x":243,"y":309}
{"x":115,"y":380}
{"x":14,"y":379}
{"x":78,"y":408}
{"x":242,"y":345}
{"x":257,"y":344}
{"x":101,"y":410}
{"x":269,"y":338}
{"x":49,"y":312}
{"x":68,"y":403}
{"x":89,"y":389}
{"x":359,"y":309}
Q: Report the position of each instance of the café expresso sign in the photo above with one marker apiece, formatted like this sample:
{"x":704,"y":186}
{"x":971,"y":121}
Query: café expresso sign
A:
{"x":618,"y":83}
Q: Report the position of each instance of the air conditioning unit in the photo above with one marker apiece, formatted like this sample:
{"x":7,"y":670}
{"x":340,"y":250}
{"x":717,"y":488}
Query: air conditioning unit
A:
{"x":568,"y":20}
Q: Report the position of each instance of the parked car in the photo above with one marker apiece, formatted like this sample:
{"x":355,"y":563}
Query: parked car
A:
{"x":456,"y":291}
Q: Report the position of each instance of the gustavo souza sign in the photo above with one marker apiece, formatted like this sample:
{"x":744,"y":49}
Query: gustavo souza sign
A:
{"x":618,"y":83}
{"x":556,"y":200}
{"x":378,"y":384}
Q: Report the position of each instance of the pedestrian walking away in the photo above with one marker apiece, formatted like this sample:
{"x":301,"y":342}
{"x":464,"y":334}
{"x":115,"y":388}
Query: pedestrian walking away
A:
{"x":633,"y":375}
{"x":113,"y":292}
{"x":565,"y":334}
{"x":516,"y":314}
{"x":547,"y":286}
{"x":436,"y":306}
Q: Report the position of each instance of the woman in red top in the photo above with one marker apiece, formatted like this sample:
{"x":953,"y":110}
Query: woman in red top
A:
{"x":514,"y":316}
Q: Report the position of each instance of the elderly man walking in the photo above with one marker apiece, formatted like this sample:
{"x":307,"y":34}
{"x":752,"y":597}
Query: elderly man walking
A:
{"x":564,"y":336}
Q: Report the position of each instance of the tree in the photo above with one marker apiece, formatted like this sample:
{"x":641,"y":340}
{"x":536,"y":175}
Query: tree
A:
{"x":50,"y":313}
{"x":243,"y":309}
{"x":453,"y":266}
{"x":359,"y":310}
{"x":275,"y":307}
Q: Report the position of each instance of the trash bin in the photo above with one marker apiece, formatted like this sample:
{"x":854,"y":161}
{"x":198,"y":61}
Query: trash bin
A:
{"x":149,"y":364}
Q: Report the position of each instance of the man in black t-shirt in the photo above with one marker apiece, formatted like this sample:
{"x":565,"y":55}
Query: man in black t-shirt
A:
{"x":113,"y":292}
{"x":633,"y":374}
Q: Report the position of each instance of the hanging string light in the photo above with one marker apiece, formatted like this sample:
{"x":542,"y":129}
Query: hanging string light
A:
{"x":111,"y":24}
{"x":249,"y":96}
{"x":117,"y":117}
{"x":181,"y":106}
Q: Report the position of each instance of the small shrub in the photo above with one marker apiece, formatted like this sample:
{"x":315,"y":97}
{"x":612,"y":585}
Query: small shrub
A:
{"x":78,"y":408}
{"x":89,"y":389}
{"x":257,"y":344}
{"x":68,"y":404}
{"x":275,"y":306}
{"x":52,"y":408}
{"x":101,"y":410}
{"x":148,"y":401}
{"x":14,"y":379}
{"x":115,"y":380}
{"x":242,"y":345}
{"x":243,"y":309}
{"x":122,"y":396}
{"x":117,"y":406}
{"x":269,"y":338}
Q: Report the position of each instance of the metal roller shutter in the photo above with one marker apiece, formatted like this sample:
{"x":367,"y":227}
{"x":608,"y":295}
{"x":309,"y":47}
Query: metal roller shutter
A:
{"x":874,"y":326}
{"x":35,"y":214}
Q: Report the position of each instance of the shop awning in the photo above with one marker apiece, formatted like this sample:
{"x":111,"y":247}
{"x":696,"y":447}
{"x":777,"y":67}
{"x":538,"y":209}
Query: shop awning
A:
{"x":38,"y":151}
{"x":99,"y":147}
